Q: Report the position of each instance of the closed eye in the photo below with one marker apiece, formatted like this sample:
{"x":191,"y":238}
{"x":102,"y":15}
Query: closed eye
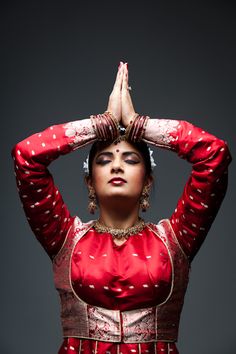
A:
{"x":129,"y":157}
{"x":102,"y":162}
{"x":132,"y":162}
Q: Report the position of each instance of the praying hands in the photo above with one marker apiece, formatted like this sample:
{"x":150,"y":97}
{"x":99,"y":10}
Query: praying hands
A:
{"x":120,"y":103}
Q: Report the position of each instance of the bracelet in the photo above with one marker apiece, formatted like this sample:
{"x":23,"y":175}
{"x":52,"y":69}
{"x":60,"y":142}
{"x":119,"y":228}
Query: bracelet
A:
{"x":136,"y":129}
{"x":129,"y":127}
{"x":105,"y":126}
{"x":113,"y":123}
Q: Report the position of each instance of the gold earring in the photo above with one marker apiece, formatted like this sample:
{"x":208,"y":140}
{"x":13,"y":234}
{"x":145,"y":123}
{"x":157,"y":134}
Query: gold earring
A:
{"x":144,"y":201}
{"x":92,"y":205}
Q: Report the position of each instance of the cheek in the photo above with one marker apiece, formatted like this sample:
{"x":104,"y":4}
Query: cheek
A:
{"x":98,"y":179}
{"x":138,"y":178}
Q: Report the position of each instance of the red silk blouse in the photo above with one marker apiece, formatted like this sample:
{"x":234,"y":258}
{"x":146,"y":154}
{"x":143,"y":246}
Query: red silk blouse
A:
{"x":102,"y":273}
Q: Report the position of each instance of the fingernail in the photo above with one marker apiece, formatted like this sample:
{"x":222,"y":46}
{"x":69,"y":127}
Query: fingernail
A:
{"x":127,"y":65}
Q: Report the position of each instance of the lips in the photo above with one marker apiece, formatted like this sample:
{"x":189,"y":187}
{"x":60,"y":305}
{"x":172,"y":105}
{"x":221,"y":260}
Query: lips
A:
{"x":117,"y":180}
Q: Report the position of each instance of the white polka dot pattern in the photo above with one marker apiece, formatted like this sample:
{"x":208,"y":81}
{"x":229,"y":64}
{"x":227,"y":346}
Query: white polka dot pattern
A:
{"x":42,"y":202}
{"x":206,"y":186}
{"x":210,"y":157}
{"x":85,"y":346}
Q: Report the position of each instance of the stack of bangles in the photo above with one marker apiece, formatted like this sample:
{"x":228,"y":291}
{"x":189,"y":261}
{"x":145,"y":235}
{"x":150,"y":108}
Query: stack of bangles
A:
{"x":136,"y":128}
{"x":106,"y":127}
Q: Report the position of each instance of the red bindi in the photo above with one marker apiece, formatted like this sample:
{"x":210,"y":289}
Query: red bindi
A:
{"x":117,"y":150}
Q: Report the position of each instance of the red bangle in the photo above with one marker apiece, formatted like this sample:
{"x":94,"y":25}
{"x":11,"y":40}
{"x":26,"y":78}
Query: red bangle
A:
{"x":105,"y":126}
{"x":136,"y":129}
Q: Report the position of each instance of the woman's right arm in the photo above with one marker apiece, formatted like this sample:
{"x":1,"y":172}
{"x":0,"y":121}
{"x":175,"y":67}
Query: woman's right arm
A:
{"x":45,"y":210}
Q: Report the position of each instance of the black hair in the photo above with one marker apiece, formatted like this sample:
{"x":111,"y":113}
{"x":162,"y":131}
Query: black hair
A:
{"x":141,"y":146}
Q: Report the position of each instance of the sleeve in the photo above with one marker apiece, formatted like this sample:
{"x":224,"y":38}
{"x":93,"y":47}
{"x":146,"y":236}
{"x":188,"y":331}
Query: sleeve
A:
{"x":207,"y":184}
{"x":48,"y":216}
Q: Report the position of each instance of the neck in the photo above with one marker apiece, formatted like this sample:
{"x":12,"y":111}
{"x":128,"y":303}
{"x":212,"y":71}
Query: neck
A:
{"x":119,"y":217}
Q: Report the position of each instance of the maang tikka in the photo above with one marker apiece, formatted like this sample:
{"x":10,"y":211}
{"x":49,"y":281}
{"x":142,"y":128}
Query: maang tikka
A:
{"x":144,"y":200}
{"x":92,"y":205}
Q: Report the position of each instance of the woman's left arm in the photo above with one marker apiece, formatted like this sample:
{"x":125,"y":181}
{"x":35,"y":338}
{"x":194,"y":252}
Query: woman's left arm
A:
{"x":206,"y":187}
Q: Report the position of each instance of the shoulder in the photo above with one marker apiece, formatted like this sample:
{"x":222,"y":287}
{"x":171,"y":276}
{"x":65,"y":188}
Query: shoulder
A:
{"x":163,"y":229}
{"x":162,"y":226}
{"x":77,"y":229}
{"x":78,"y":225}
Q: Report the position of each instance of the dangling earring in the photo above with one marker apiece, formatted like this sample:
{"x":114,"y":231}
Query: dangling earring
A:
{"x":144,"y":202}
{"x":92,"y":206}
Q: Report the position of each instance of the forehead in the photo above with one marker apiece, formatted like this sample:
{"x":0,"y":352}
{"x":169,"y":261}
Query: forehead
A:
{"x":120,"y":147}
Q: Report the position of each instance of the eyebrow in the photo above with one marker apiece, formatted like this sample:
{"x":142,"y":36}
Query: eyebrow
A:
{"x":110,"y":154}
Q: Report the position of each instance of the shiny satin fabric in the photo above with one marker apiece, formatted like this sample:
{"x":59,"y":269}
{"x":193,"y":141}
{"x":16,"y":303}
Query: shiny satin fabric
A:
{"x":134,"y":275}
{"x":50,"y":220}
{"x":94,"y":284}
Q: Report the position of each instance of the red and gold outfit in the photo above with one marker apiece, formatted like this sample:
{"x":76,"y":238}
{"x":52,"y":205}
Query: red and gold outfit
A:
{"x":127,"y":298}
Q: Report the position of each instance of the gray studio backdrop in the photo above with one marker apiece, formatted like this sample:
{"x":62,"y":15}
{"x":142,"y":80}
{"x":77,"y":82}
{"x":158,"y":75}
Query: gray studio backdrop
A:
{"x":59,"y":61}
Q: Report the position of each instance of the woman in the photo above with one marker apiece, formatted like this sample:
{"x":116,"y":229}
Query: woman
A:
{"x":121,"y":280}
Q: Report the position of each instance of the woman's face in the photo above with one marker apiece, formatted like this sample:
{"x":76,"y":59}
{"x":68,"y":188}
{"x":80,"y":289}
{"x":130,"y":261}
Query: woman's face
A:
{"x":118,"y":171}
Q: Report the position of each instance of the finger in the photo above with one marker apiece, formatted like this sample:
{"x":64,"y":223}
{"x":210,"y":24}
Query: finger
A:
{"x":125,"y":80}
{"x":127,"y":74}
{"x":125,"y":92}
{"x":119,"y":75}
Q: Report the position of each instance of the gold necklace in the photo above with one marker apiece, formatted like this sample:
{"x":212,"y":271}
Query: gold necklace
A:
{"x":120,"y":233}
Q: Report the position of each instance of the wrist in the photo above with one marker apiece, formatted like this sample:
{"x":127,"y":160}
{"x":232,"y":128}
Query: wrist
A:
{"x":105,"y":126}
{"x":129,"y":120}
{"x":136,"y":128}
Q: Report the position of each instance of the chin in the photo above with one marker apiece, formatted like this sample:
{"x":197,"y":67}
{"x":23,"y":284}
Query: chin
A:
{"x":116,"y":194}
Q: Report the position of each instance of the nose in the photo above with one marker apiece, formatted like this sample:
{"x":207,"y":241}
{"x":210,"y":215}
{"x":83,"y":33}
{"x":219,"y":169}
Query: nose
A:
{"x":117,"y":165}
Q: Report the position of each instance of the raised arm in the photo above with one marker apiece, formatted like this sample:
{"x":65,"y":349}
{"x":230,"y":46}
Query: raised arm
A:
{"x":207,"y":184}
{"x":45,"y":210}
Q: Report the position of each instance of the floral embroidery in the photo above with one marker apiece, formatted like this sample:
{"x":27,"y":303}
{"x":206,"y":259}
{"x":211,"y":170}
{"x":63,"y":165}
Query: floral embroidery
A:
{"x":139,"y":326}
{"x":103,"y":324}
{"x":78,"y":132}
{"x":162,"y":128}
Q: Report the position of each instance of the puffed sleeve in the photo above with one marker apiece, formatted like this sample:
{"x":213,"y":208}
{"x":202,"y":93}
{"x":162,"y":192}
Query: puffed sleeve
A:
{"x":207,"y":184}
{"x":48,"y":216}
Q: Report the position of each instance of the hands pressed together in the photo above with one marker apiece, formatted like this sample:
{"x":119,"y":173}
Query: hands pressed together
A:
{"x":120,"y":102}
{"x":120,"y":113}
